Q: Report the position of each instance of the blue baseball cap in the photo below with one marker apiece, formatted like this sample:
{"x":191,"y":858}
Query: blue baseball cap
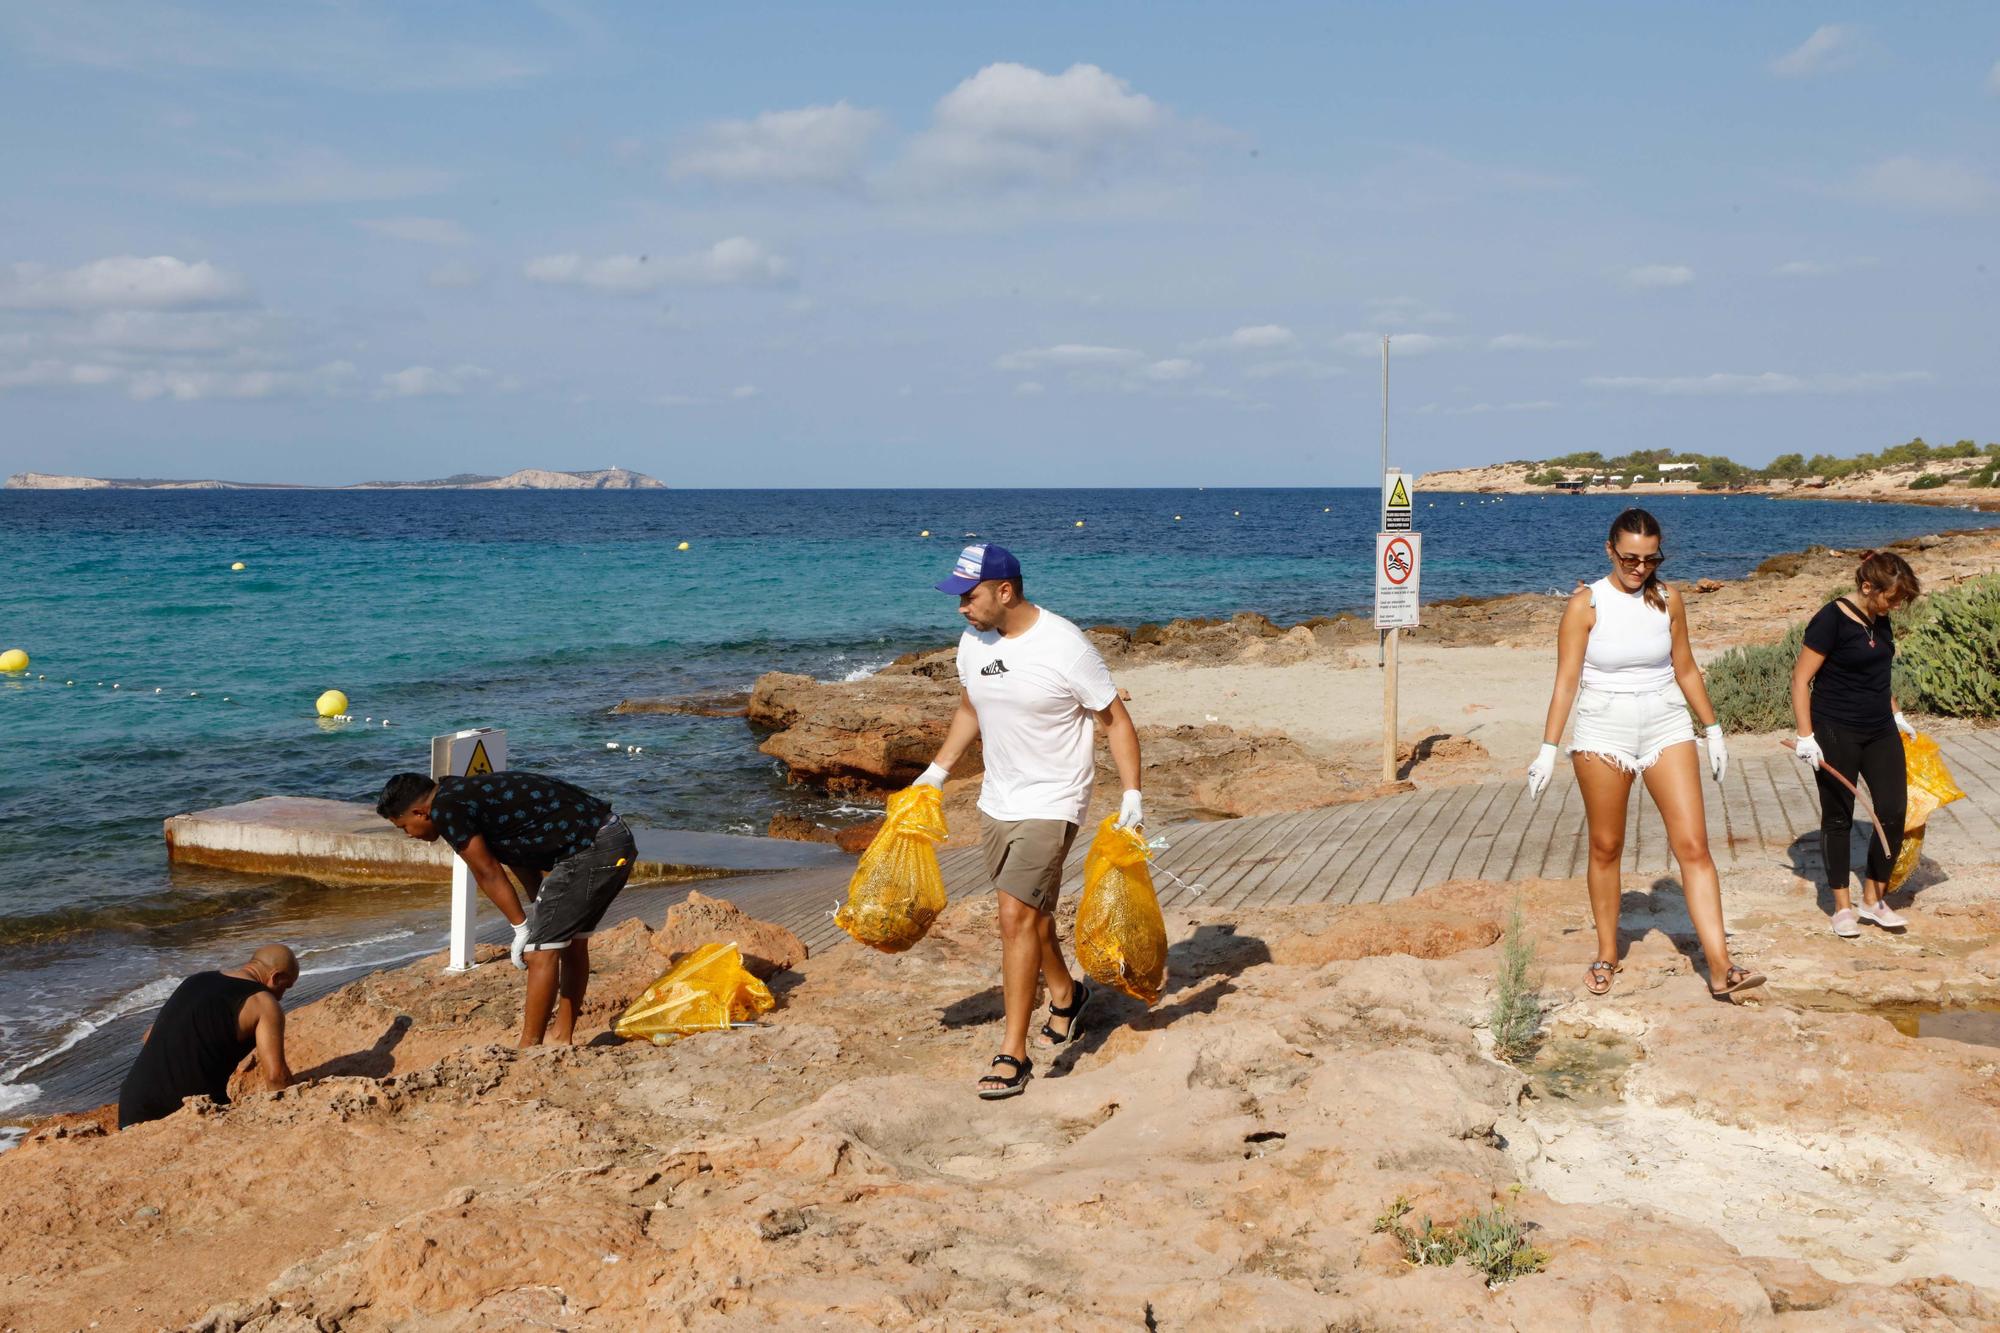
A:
{"x":977,"y":564}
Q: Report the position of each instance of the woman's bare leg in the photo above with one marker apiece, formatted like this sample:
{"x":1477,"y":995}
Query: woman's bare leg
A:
{"x":1675,"y":783}
{"x":1606,"y":788}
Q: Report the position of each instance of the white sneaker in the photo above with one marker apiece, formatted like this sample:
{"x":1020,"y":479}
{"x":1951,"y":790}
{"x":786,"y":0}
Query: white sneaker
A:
{"x":1845,"y":925}
{"x":1883,"y":915}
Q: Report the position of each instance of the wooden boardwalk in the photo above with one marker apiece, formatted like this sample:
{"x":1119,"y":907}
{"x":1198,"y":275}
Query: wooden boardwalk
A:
{"x":1373,"y":851}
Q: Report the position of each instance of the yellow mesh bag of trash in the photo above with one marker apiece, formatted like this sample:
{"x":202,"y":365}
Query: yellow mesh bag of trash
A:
{"x":897,"y":890}
{"x":1931,"y":786}
{"x":704,"y":992}
{"x":1121,"y":938}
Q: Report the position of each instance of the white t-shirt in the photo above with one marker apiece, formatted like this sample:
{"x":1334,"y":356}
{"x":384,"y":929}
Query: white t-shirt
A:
{"x":1035,"y":694}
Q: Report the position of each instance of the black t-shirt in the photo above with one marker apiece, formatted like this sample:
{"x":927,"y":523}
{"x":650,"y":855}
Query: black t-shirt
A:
{"x":1852,"y":687}
{"x":527,"y":819}
{"x":193,"y":1050}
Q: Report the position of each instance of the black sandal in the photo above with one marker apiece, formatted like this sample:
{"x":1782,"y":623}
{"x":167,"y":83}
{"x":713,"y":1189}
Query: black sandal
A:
{"x":1002,"y":1085}
{"x":1734,"y":980}
{"x":1079,"y":997}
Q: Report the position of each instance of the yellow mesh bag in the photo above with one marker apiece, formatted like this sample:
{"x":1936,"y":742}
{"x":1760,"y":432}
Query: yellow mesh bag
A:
{"x":1121,"y":938}
{"x":897,"y":890}
{"x":704,"y":992}
{"x":1931,"y":786}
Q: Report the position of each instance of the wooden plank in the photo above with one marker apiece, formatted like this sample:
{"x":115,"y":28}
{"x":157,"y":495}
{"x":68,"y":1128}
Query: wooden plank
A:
{"x":1508,"y":819}
{"x":1416,"y":823}
{"x":1252,"y":859}
{"x":1362,"y":853}
{"x":1312,"y":879}
{"x":1534,"y":858}
{"x":1483,"y":820}
{"x":1309,"y":842}
{"x":1443,"y":840}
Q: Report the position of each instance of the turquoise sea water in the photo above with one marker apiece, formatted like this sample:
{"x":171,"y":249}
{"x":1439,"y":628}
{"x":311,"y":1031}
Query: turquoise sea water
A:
{"x":539,"y":611}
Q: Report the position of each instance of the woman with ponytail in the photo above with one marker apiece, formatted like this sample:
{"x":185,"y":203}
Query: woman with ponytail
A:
{"x":1848,"y":724}
{"x":1623,"y":661}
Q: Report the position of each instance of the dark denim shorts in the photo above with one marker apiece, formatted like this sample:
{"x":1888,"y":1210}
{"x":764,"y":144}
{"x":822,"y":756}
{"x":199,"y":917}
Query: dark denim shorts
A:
{"x":577,"y":892}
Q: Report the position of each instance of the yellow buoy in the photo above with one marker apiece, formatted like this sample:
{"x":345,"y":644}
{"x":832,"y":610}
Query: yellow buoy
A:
{"x":682,"y":547}
{"x":13,"y":660}
{"x":331,"y":704}
{"x":238,"y":566}
{"x":925,"y":533}
{"x":1079,"y":523}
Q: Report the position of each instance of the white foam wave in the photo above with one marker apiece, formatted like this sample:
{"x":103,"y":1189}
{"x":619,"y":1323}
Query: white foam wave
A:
{"x":149,"y":996}
{"x":356,"y":944}
{"x":11,"y":1135}
{"x":16,"y":1095}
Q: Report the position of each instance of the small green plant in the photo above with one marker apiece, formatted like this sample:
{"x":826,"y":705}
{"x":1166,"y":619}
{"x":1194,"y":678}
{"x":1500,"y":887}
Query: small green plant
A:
{"x":1494,"y":1241}
{"x":1950,"y":662}
{"x":1516,"y":1019}
{"x":1929,"y":481}
{"x":1751,"y":686}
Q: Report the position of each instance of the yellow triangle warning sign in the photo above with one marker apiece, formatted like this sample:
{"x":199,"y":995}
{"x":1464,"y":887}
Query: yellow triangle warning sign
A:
{"x":479,"y":763}
{"x":1399,"y":498}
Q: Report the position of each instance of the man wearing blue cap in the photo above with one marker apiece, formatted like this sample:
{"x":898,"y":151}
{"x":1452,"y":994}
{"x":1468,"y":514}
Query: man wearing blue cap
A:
{"x":1033,"y":685}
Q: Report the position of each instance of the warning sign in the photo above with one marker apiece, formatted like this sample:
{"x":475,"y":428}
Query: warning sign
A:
{"x":479,"y":763}
{"x":466,"y":754}
{"x":1397,"y":557}
{"x":1396,"y":504}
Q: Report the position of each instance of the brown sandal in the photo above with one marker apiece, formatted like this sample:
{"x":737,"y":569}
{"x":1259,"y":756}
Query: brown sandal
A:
{"x":1735,"y":979}
{"x":1599,"y":971}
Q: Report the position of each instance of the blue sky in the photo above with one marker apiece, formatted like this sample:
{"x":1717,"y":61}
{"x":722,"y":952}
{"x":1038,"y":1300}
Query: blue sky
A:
{"x":1120,"y":244}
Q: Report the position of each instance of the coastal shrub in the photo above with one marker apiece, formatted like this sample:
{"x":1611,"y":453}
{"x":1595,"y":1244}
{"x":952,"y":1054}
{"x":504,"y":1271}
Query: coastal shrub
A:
{"x":1950,"y":663}
{"x":1516,"y":1018}
{"x":1751,"y":686}
{"x":1495,"y":1241}
{"x":1930,"y":481}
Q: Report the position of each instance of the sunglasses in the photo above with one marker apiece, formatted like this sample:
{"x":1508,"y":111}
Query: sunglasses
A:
{"x":1653,"y":561}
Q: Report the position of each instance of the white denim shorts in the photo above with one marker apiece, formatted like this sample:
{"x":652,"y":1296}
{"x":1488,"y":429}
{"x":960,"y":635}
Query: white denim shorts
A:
{"x":1630,"y":730}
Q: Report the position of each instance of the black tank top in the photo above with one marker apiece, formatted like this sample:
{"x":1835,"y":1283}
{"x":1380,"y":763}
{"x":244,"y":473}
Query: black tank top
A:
{"x":193,"y":1050}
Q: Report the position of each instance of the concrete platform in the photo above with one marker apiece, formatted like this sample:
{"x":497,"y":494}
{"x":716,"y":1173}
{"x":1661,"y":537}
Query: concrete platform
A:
{"x":343,"y":841}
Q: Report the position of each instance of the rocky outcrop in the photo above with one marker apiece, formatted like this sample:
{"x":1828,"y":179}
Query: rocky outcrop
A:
{"x":868,"y":736}
{"x":767,"y":949}
{"x":527,"y":479}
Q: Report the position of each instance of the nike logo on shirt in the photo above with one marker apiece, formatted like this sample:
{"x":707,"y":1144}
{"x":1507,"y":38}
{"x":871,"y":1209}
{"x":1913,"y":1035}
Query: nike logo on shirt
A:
{"x":994,"y":668}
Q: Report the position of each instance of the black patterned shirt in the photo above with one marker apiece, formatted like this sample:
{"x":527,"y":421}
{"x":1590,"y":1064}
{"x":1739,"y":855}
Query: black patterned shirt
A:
{"x":527,"y":819}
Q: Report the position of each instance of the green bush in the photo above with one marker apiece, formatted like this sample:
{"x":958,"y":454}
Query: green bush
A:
{"x":1950,"y":663}
{"x":1751,"y":686}
{"x":1516,"y":1019}
{"x":1930,"y":481}
{"x":1495,"y":1242}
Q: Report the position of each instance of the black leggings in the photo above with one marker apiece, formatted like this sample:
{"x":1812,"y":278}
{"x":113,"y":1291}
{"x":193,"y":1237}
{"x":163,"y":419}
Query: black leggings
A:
{"x":1871,"y":757}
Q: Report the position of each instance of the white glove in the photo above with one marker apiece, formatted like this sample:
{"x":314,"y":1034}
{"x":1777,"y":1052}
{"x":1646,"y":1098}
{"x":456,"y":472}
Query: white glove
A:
{"x":1718,"y":752}
{"x":520,"y":943}
{"x":1808,"y":749}
{"x":1130,"y":810}
{"x":932,"y":777}
{"x":1903,"y":724}
{"x":1541,"y":771}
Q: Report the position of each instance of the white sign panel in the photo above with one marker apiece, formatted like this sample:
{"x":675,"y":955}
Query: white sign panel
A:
{"x":466,"y":754}
{"x":1397,"y":555}
{"x":1397,"y":493}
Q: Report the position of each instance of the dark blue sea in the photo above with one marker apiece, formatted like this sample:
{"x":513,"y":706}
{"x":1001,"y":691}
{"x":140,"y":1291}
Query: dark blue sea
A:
{"x":193,"y":685}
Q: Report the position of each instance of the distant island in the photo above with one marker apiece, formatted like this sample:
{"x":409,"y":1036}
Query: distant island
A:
{"x":1937,"y":473}
{"x":527,"y":479}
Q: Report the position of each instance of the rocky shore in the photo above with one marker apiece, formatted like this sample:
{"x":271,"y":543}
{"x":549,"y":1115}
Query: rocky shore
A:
{"x":1883,"y":484}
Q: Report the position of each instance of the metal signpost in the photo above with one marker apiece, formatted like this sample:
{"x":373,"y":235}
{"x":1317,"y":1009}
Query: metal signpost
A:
{"x":1398,"y":549}
{"x":466,"y":754}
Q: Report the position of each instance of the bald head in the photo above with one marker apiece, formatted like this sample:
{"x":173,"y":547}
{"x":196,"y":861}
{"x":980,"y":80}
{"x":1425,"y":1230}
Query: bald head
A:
{"x":274,"y":965}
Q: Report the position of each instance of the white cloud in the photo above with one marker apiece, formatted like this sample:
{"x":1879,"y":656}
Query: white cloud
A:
{"x":1530,"y":342}
{"x":1654,"y":276}
{"x":1071,"y":356}
{"x":1029,"y":389}
{"x":1251,"y":338}
{"x":1292,"y":366}
{"x":1769,"y":382}
{"x":1400,"y":344}
{"x":320,"y":176}
{"x":1010,"y":124}
{"x":743,"y":392}
{"x":179,"y":383}
{"x":424,"y":231}
{"x":1820,"y":268}
{"x":1829,"y":49}
{"x":122,"y":282}
{"x":455,"y":275}
{"x":814,"y":145}
{"x":1920,"y":185}
{"x":431,"y":382}
{"x":1173,"y":370}
{"x":144,"y":333}
{"x":735,"y":262}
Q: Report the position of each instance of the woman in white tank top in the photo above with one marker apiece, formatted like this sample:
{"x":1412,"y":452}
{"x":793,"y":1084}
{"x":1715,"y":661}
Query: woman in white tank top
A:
{"x":1623,"y":661}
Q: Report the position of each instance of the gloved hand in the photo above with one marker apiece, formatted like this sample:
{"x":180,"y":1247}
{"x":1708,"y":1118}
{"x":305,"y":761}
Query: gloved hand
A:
{"x":1808,"y":749}
{"x":520,"y":944}
{"x":1718,"y":752}
{"x":1130,"y":810}
{"x":1903,"y":724}
{"x":1541,"y":771}
{"x":932,"y":777}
